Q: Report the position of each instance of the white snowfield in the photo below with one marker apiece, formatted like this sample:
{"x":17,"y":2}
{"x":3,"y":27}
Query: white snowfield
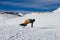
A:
{"x":46,"y":26}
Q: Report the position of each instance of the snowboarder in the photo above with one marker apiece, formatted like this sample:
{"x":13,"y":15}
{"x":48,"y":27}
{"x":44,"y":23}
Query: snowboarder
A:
{"x":27,"y":21}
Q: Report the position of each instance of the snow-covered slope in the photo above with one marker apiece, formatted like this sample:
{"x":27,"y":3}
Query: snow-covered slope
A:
{"x":57,"y":10}
{"x":46,"y":27}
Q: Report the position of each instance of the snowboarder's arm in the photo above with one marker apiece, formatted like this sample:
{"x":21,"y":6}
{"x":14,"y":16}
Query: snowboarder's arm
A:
{"x":31,"y":24}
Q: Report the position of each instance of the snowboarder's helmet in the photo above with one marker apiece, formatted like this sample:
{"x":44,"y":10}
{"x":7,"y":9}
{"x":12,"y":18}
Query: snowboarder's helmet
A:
{"x":33,"y":20}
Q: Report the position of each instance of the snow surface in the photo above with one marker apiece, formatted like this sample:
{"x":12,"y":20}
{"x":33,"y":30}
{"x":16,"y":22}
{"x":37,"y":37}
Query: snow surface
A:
{"x":46,"y":27}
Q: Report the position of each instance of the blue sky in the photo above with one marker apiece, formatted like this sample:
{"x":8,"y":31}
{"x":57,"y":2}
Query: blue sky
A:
{"x":29,"y":5}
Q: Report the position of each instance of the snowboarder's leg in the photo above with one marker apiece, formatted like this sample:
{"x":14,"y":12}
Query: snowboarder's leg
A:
{"x":26,"y":22}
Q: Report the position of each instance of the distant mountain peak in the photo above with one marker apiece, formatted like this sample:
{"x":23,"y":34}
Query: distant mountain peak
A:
{"x":57,"y":10}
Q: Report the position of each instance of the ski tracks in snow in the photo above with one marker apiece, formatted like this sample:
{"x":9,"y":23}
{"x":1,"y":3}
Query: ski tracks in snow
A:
{"x":27,"y":31}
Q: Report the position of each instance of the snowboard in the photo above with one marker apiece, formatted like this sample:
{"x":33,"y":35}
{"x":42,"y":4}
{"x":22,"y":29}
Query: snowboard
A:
{"x":22,"y":25}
